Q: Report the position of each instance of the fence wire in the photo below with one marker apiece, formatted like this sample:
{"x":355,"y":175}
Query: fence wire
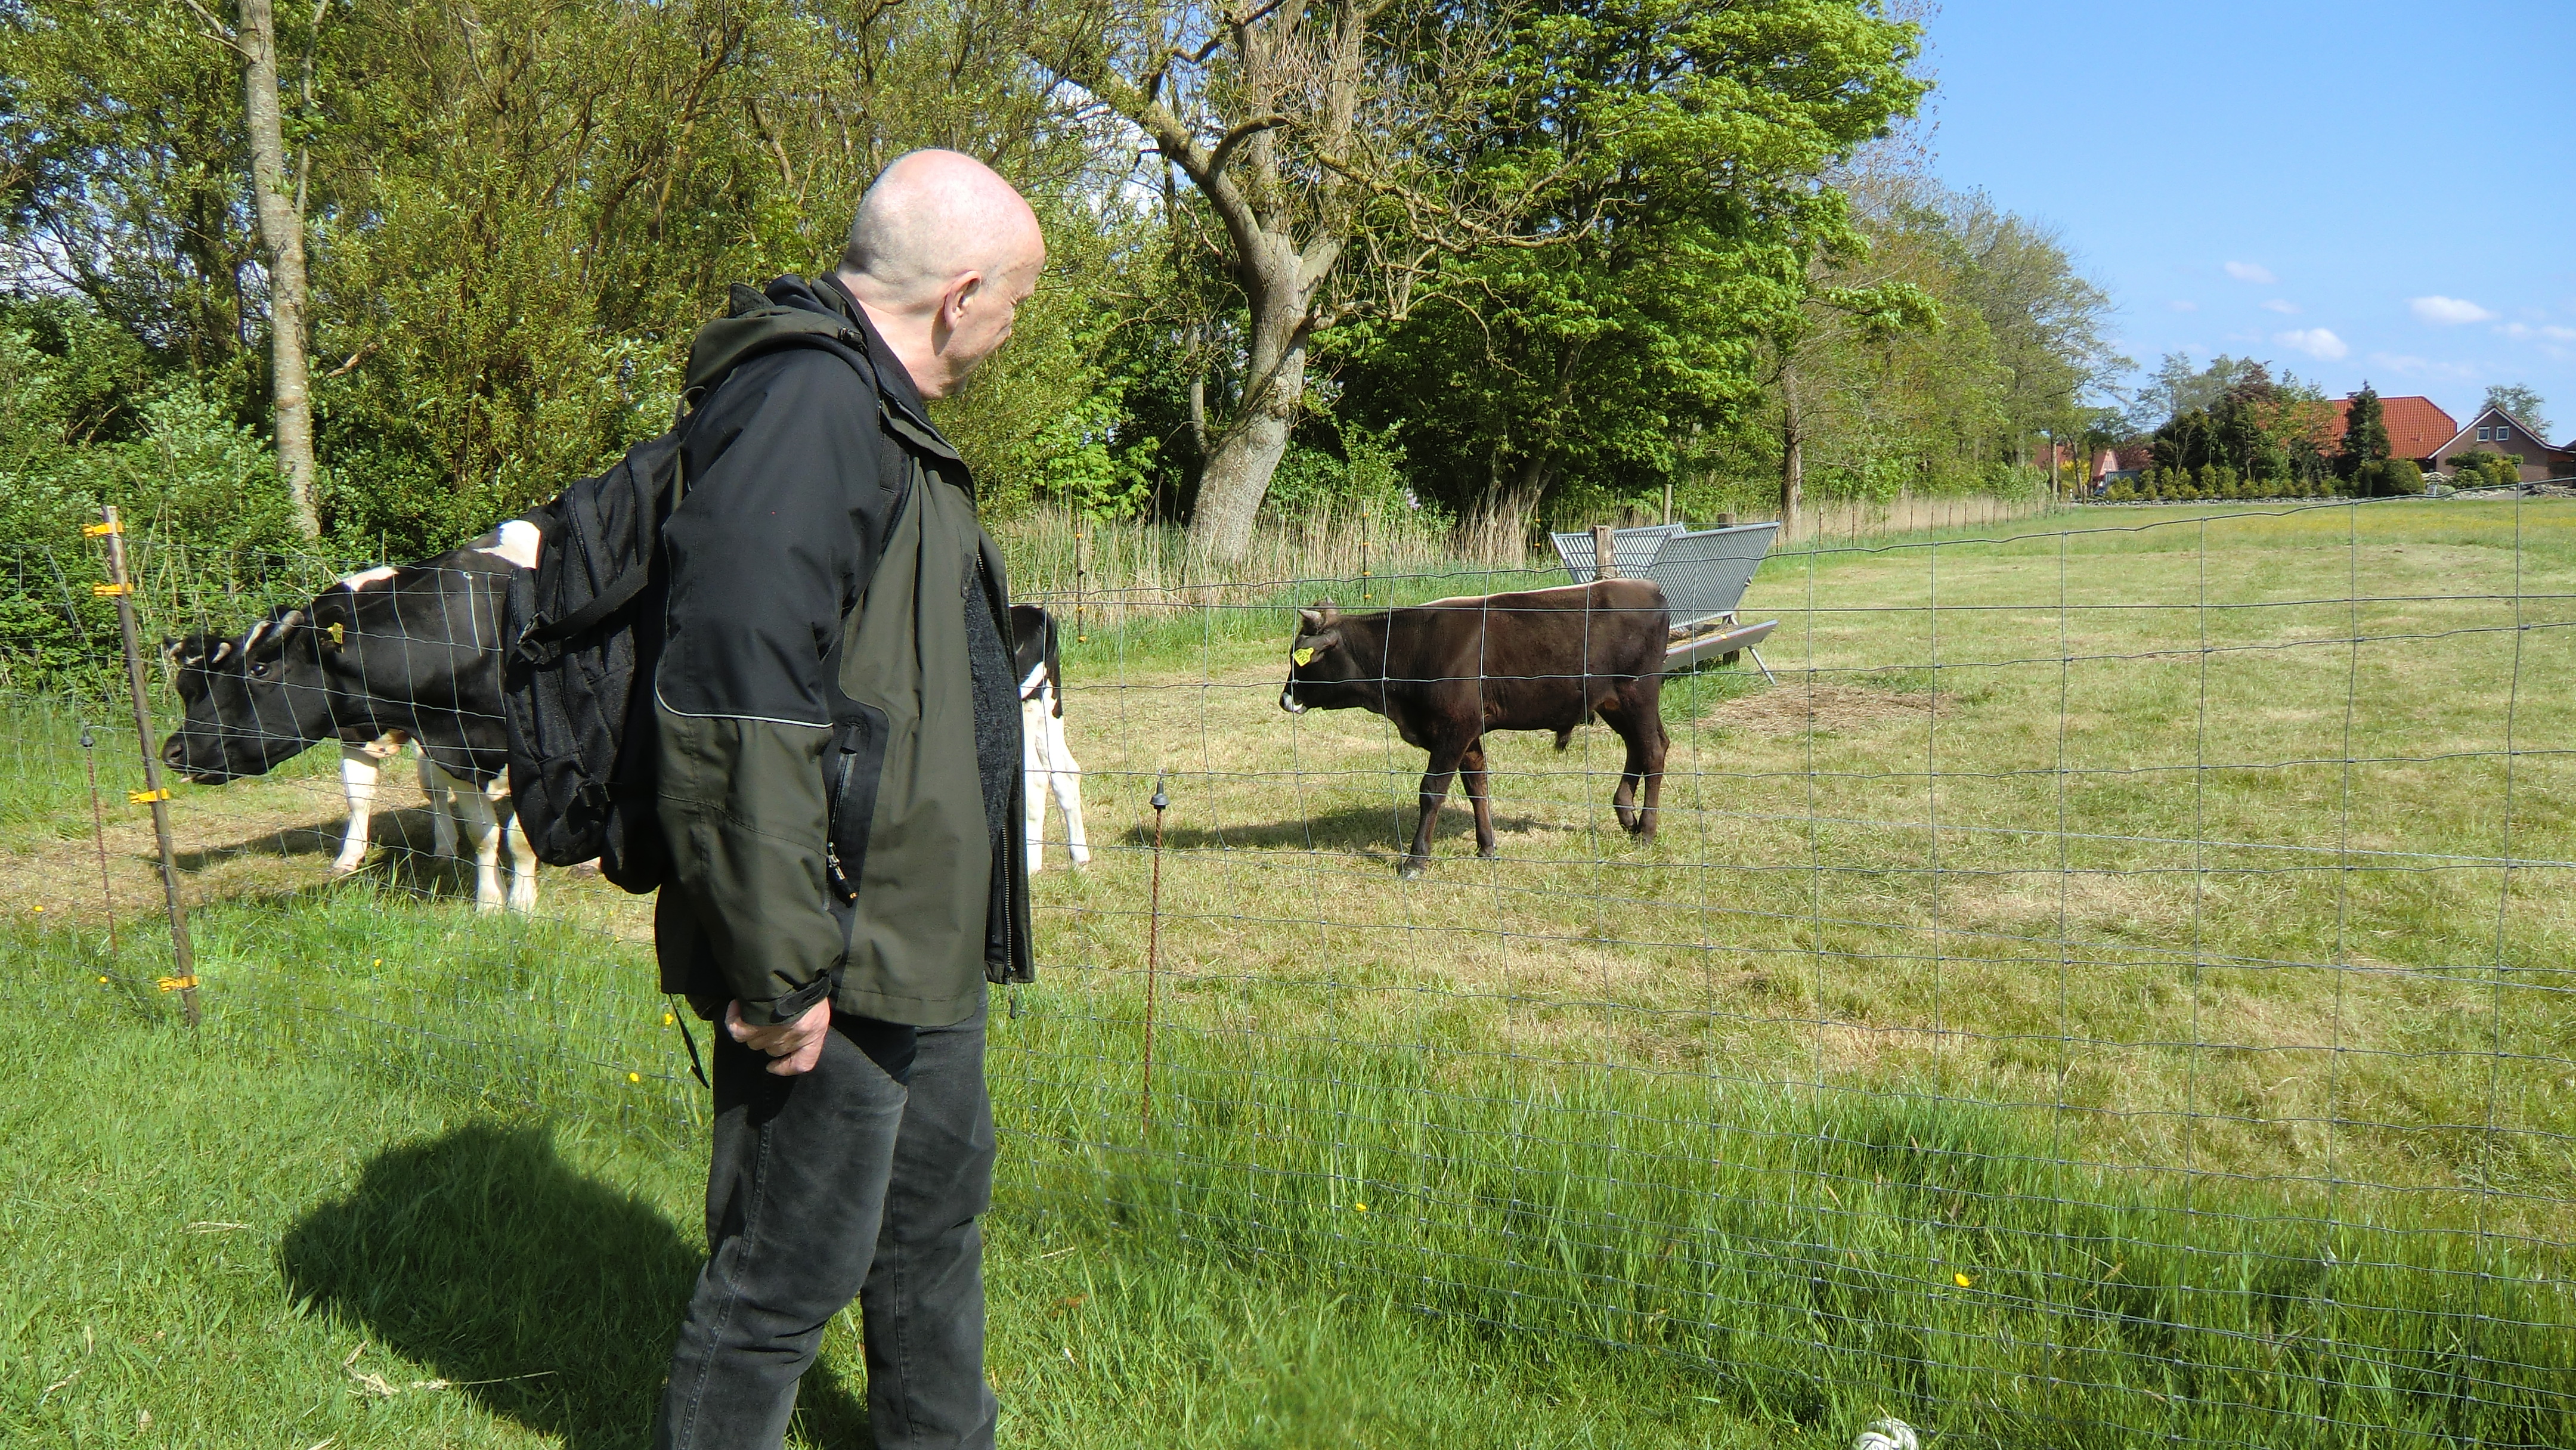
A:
{"x":2111,"y":989}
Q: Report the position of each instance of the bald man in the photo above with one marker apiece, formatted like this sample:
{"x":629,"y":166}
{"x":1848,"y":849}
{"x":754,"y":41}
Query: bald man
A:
{"x":837,"y":725}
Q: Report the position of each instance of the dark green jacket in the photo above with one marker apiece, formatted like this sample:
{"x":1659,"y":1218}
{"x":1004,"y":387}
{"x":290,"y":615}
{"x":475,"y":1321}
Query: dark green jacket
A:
{"x":819,"y":789}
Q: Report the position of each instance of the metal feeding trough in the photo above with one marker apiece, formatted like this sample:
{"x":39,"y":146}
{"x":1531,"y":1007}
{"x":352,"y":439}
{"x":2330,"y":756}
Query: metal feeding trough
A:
{"x":1704,"y":574}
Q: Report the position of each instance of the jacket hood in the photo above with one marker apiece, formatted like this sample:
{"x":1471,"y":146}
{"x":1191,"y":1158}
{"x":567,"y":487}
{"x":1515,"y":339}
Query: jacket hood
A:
{"x":753,"y":322}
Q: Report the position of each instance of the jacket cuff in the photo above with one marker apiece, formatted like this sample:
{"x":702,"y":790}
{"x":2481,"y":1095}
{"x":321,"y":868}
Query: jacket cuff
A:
{"x":787,"y":1008}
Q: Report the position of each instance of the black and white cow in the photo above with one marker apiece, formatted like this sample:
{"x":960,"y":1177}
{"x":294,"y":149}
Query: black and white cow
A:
{"x":396,"y":653}
{"x":1050,"y":766}
{"x":196,"y":660}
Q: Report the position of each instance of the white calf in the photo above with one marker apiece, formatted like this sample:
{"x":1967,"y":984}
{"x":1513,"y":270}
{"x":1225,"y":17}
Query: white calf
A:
{"x":1050,"y":766}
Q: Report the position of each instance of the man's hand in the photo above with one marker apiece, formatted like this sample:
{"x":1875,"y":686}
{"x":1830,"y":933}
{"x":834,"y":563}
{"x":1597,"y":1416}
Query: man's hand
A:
{"x":793,"y":1047}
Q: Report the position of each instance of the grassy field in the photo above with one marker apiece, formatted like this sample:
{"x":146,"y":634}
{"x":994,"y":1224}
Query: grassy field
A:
{"x":2111,"y":990}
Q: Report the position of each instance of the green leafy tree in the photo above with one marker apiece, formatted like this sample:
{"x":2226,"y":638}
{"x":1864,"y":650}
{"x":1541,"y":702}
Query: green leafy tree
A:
{"x":1663,"y":159}
{"x":2520,"y":403}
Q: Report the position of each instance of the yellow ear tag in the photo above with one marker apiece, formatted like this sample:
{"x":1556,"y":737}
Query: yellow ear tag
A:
{"x":1304,"y":656}
{"x":339,"y":634}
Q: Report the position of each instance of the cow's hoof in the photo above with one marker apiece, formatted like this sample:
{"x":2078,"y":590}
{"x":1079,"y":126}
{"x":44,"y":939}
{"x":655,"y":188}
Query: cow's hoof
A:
{"x":1489,"y":853}
{"x":1411,"y":868}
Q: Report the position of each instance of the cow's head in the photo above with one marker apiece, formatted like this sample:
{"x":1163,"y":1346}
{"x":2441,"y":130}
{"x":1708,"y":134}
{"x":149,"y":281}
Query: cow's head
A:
{"x":1320,"y":668}
{"x":248,"y":703}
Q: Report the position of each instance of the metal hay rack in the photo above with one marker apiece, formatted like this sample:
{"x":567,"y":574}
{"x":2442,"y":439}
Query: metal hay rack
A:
{"x":1703,"y":572}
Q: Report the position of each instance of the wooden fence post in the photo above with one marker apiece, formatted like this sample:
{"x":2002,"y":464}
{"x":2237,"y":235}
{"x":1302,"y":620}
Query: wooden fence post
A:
{"x":1605,"y":552}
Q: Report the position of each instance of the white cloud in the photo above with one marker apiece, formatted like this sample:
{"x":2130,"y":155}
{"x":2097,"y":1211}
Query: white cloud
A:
{"x":2407,"y":364}
{"x":2521,"y":332}
{"x":2447,"y":311}
{"x":2316,"y":342}
{"x":2281,"y":305}
{"x":2179,"y":305}
{"x":2254,"y":272}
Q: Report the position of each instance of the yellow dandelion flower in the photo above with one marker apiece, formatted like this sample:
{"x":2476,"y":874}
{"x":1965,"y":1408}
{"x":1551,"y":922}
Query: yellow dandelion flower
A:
{"x":668,"y":1019}
{"x":1963,"y":1281}
{"x":1362,"y":1207}
{"x":635,"y":1077}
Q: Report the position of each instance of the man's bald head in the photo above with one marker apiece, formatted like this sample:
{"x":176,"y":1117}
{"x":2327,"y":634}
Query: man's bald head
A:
{"x":933,"y":216}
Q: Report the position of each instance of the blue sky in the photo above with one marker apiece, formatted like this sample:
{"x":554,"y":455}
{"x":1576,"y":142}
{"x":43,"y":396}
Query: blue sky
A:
{"x":2353,"y":191}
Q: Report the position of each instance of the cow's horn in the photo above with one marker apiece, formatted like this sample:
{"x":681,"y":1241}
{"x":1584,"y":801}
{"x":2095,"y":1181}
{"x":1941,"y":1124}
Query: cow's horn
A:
{"x":1314,"y":620}
{"x":1326,"y":612}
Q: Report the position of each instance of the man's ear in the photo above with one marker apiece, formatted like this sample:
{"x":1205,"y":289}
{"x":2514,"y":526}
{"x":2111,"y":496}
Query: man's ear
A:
{"x":964,"y":292}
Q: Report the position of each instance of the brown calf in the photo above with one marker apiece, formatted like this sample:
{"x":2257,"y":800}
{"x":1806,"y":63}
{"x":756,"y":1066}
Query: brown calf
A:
{"x":1448,"y":671}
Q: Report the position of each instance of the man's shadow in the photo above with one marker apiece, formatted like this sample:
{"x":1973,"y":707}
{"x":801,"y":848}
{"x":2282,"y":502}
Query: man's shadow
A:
{"x":550,"y":1298}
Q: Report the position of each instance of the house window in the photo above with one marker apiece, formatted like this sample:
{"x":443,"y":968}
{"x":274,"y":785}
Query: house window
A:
{"x":2504,"y":435}
{"x":2485,"y":434}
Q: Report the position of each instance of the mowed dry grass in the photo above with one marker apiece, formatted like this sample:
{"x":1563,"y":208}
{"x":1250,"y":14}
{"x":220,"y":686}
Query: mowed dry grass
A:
{"x":2189,"y":841}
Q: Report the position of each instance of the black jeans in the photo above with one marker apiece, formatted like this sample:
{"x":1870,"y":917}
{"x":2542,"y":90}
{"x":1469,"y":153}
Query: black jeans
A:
{"x":859,"y":1178}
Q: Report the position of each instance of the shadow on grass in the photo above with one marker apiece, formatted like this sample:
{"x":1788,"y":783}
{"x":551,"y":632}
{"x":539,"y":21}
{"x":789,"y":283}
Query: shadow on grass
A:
{"x":1374,"y":832}
{"x":322,"y":838}
{"x":402,"y":854}
{"x":549,"y":1297}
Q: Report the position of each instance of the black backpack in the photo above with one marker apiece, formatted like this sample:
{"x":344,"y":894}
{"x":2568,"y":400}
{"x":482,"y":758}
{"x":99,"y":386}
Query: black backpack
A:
{"x":583,"y":629}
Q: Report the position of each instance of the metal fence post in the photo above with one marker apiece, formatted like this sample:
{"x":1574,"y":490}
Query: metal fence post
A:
{"x":120,"y":587}
{"x":1153,"y":953}
{"x":98,"y":828}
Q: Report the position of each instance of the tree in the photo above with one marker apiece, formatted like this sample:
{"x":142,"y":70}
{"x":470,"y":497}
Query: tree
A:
{"x":1290,"y":121}
{"x":2176,"y":387}
{"x":1661,"y":164}
{"x":2365,"y":434}
{"x":280,"y":206}
{"x":2521,"y":404}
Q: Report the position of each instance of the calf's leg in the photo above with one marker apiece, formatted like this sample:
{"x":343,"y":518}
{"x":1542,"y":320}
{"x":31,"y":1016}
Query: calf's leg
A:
{"x":1471,"y":769}
{"x":442,"y":808}
{"x":1636,"y":713}
{"x":1445,"y":756}
{"x":1065,"y":773}
{"x":523,"y":856}
{"x":359,"y":772}
{"x":482,"y":832}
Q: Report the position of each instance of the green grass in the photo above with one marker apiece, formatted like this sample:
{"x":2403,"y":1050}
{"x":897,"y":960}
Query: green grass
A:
{"x":2152,"y":917}
{"x":206,"y":1227}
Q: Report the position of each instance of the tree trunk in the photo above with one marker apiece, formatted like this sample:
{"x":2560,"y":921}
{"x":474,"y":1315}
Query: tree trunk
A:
{"x":1793,"y":459}
{"x":281,"y":230}
{"x":1242,"y":458}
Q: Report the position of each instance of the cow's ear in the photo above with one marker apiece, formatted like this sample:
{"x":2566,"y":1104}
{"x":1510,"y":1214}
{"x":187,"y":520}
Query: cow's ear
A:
{"x":1329,"y":639}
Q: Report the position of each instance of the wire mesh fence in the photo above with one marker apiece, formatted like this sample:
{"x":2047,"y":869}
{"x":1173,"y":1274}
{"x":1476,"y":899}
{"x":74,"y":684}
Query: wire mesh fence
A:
{"x":2111,"y":989}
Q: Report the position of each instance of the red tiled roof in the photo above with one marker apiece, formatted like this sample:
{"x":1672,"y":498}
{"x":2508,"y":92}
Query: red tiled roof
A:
{"x":2415,"y":426}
